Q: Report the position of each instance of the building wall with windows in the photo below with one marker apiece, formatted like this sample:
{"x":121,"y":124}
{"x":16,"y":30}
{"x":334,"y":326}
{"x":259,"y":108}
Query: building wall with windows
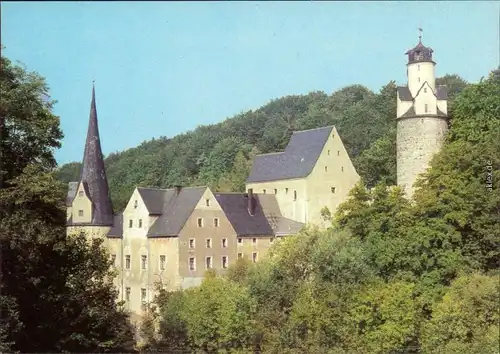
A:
{"x":255,"y":247}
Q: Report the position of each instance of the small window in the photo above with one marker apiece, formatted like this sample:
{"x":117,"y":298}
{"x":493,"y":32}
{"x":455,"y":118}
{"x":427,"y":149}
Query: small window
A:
{"x":240,"y":241}
{"x":200,"y":222}
{"x":127,"y":293}
{"x":140,"y":222}
{"x":113,"y":259}
{"x":326,"y":168}
{"x":342,"y":168}
{"x":80,"y":212}
{"x":275,"y":191}
{"x":426,"y":108}
{"x":224,"y":242}
{"x":143,"y":295}
{"x":328,"y":152}
{"x":264,"y":191}
{"x":425,"y":89}
{"x":254,"y":240}
{"x":418,"y":67}
{"x":216,"y":222}
{"x":144,"y":261}
{"x":338,"y":152}
{"x":192,"y":263}
{"x":127,"y":261}
{"x":294,"y":195}
{"x":254,"y":257}
{"x":135,"y":204}
{"x":163,"y":260}
{"x":224,"y":262}
{"x":191,"y":243}
{"x":286,"y":190}
{"x":209,"y":243}
{"x":207,"y":202}
{"x":80,"y":193}
{"x":419,"y":79}
{"x":240,"y":255}
{"x":332,"y":189}
{"x":130,"y":223}
{"x":208,"y":262}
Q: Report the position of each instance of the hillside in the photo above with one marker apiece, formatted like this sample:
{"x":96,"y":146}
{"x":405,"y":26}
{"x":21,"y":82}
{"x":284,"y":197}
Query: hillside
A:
{"x":219,"y":155}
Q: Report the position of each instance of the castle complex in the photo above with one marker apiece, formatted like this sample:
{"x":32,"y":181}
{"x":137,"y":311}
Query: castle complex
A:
{"x":172,"y":236}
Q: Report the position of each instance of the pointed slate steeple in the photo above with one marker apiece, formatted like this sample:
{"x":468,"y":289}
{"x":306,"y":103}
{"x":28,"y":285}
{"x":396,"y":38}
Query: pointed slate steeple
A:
{"x":94,"y":173}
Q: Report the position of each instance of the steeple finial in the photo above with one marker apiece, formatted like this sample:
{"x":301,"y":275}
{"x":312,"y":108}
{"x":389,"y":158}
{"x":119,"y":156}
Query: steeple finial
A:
{"x":94,"y":173}
{"x":420,"y":30}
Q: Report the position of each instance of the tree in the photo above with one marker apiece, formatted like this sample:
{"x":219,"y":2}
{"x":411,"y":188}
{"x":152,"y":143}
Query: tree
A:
{"x":56,"y":292}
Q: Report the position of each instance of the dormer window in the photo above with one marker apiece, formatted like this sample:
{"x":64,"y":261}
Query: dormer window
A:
{"x":207,"y":202}
{"x":425,"y":89}
{"x":80,"y":193}
{"x":136,"y":203}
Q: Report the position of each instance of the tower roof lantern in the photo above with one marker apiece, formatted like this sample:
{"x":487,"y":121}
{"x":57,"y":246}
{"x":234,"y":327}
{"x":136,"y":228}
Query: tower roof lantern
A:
{"x":420,"y":53}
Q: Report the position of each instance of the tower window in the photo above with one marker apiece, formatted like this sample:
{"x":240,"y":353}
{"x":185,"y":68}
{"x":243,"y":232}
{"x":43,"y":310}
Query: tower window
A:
{"x":224,"y":242}
{"x":130,"y":223}
{"x":342,"y":168}
{"x":163,"y":260}
{"x":207,"y":202}
{"x":140,"y":222}
{"x":338,"y":152}
{"x":127,"y":294}
{"x":135,"y":204}
{"x":80,"y":212}
{"x":240,"y":241}
{"x":294,"y":195}
{"x":426,"y":108}
{"x":332,"y":189}
{"x":328,"y":152}
{"x":425,"y":89}
{"x":200,"y":222}
{"x":144,"y":262}
{"x":143,"y":295}
{"x":191,"y":243}
{"x":254,"y":240}
{"x":216,"y":222}
{"x":286,"y":190}
{"x":275,"y":191}
{"x":419,"y":79}
{"x":264,"y":191}
{"x":80,"y":193}
{"x":418,"y":67}
{"x":326,"y":168}
{"x":127,"y":262}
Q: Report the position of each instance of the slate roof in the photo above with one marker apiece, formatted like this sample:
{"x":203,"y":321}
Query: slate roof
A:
{"x":297,"y":161}
{"x":94,"y":173}
{"x":411,"y":113}
{"x":442,"y":92}
{"x":404,"y":93}
{"x":176,"y":210}
{"x":155,"y":198}
{"x":72,"y":187}
{"x":266,"y":219}
{"x":117,"y":229}
{"x":419,"y":53}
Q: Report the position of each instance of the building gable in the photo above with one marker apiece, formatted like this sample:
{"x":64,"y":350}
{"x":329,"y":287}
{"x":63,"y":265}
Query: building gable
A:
{"x":82,"y":207}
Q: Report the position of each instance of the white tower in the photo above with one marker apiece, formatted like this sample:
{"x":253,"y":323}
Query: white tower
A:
{"x":422,"y":119}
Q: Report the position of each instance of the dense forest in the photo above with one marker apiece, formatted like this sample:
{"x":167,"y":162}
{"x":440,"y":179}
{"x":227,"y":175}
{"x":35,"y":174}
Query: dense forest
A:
{"x":220,"y":155}
{"x":388,"y":276}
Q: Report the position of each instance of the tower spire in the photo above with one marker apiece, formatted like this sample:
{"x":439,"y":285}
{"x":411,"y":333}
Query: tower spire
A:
{"x":93,"y":171}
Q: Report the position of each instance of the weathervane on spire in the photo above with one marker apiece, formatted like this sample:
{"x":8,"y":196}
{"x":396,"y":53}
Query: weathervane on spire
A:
{"x":420,"y":30}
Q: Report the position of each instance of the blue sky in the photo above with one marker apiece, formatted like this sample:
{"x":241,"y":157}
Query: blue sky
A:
{"x":164,"y":68}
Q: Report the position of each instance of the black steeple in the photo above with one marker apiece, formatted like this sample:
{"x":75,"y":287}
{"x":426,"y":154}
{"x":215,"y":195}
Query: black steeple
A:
{"x":94,"y":173}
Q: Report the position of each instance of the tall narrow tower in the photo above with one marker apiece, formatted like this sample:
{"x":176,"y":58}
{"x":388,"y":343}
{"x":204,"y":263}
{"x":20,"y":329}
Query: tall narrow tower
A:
{"x":89,"y":204}
{"x":422,"y":119}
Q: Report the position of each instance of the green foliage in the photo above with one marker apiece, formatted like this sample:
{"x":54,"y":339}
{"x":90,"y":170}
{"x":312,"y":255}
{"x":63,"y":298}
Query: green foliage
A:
{"x":56,"y":292}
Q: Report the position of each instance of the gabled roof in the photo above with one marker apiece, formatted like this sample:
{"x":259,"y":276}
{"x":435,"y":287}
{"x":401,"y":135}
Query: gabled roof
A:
{"x":404,"y":93}
{"x":297,"y":161}
{"x":94,"y":174}
{"x":266,"y":218}
{"x":155,"y":198}
{"x":176,"y":211}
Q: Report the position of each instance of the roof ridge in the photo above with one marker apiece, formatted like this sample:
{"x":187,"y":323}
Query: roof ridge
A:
{"x":308,"y":130}
{"x":170,"y":189}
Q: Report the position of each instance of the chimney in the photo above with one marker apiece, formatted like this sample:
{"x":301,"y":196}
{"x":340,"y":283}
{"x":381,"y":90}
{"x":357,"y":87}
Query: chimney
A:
{"x":251,"y":202}
{"x":178,"y":189}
